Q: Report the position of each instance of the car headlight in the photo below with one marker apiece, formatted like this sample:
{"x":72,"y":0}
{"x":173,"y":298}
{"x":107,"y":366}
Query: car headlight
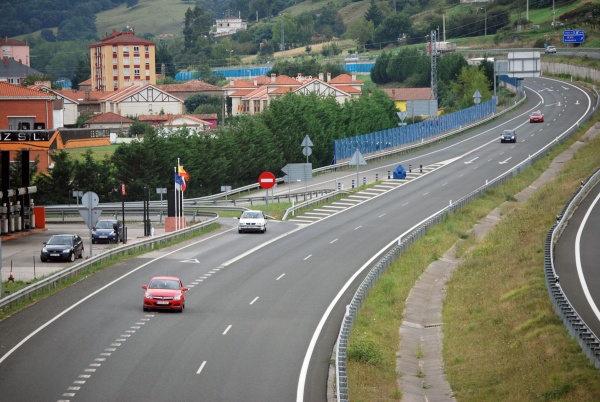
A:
{"x":148,"y":295}
{"x":177,"y":297}
{"x":44,"y":250}
{"x":67,"y":251}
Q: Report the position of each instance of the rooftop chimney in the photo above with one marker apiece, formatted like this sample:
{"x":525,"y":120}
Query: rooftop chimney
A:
{"x":273,"y":78}
{"x":321,"y":76}
{"x":328,"y":77}
{"x":353,"y":76}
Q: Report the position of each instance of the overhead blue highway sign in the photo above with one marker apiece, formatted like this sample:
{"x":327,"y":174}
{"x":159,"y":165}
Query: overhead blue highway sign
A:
{"x":573,"y":36}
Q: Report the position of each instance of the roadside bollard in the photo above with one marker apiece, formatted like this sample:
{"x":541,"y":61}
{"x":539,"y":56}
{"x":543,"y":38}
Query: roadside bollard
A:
{"x":352,"y":183}
{"x":364,"y":181}
{"x":388,"y":174}
{"x":421,"y":168}
{"x":409,"y":168}
{"x":376,"y":176}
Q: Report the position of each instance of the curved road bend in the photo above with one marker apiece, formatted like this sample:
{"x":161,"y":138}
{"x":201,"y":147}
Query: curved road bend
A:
{"x":249,"y":331}
{"x":580,"y":279}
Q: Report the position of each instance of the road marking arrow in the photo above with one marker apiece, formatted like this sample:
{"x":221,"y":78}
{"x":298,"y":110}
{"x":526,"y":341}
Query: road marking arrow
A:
{"x":472,"y":160}
{"x":193,"y":261}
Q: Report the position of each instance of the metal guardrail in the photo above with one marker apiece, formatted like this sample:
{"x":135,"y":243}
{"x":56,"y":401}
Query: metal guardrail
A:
{"x":410,"y":237}
{"x":587,"y":340}
{"x":317,"y":200}
{"x":33,"y":290}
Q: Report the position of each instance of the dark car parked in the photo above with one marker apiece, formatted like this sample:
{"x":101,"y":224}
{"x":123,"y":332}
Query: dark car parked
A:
{"x":107,"y":230}
{"x":62,"y":247}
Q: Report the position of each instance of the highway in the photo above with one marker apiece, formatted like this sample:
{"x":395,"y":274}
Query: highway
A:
{"x":576,"y":256}
{"x":263,"y":310}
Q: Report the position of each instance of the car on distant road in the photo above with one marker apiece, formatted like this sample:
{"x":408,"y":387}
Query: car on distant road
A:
{"x":508,"y":136}
{"x":164,"y":293}
{"x":107,"y":230}
{"x":536,"y":117}
{"x":252,"y":221}
{"x":65,"y":247}
{"x":550,"y":49}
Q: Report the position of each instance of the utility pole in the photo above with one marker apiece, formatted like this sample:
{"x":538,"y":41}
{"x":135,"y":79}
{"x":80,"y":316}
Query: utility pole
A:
{"x":433,"y":65}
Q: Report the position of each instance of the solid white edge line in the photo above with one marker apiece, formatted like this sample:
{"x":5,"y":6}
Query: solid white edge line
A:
{"x":586,"y":290}
{"x":313,"y":341}
{"x":65,"y":311}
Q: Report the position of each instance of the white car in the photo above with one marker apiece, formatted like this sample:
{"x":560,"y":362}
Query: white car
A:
{"x":550,"y":49}
{"x":252,"y":221}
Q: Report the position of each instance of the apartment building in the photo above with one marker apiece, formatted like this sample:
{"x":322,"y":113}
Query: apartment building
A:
{"x":120,"y":60}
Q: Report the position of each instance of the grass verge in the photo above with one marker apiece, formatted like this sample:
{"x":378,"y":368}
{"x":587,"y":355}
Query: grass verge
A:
{"x":502,"y":339}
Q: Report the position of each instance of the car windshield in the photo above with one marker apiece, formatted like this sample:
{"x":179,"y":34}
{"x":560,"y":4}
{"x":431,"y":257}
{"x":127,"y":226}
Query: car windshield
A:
{"x":536,"y":113}
{"x":104,"y":225}
{"x":164,"y":284}
{"x":252,"y":215}
{"x":57,"y":240}
{"x":507,"y":132}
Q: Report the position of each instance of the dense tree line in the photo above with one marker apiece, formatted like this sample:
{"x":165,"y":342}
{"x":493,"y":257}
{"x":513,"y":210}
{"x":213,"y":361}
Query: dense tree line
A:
{"x":26,"y":16}
{"x":233,"y":155}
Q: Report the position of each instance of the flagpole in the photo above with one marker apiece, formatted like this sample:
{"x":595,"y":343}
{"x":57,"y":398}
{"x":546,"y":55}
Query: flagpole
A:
{"x":176,"y":202}
{"x":182,"y":203}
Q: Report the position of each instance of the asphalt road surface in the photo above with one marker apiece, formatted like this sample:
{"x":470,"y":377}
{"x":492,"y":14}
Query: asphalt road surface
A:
{"x":263,"y":310}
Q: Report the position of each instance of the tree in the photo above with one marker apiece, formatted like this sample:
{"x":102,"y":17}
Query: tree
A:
{"x":197,"y":24}
{"x":361,"y":31}
{"x":466,"y":83}
{"x":48,"y":35}
{"x":392,"y":27}
{"x":163,"y":56}
{"x":82,"y":72}
{"x":60,"y":177}
{"x":374,"y":15}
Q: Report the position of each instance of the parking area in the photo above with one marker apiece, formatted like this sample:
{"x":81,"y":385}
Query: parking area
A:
{"x":21,"y":250}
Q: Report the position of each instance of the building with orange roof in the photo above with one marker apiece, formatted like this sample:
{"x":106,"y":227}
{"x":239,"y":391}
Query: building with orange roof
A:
{"x":413,"y":101}
{"x":23,"y":108}
{"x":65,"y":107}
{"x":112,"y":121}
{"x":138,"y":100}
{"x":191,"y":88}
{"x":169,"y":123}
{"x":252,"y":98}
{"x":122,"y":59}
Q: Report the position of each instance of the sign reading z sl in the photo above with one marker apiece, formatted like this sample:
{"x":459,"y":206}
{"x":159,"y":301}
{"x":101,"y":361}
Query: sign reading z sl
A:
{"x":24,"y":135}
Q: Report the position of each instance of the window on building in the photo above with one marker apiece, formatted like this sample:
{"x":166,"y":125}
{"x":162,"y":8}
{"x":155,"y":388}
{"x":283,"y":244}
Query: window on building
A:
{"x":126,"y":61}
{"x":126,"y":71}
{"x":114,"y":49}
{"x":136,"y":72}
{"x":126,"y":49}
{"x":115,"y":84}
{"x":147,"y":49}
{"x":115,"y":61}
{"x":136,"y":49}
{"x":136,"y":61}
{"x":115,"y":72}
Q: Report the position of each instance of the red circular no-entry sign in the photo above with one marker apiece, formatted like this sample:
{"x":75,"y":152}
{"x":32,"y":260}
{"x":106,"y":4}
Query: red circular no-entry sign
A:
{"x":266,"y":179}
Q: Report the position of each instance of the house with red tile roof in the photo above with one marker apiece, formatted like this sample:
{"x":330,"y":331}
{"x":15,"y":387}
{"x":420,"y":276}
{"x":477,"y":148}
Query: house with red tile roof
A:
{"x":136,"y":100}
{"x":169,"y":123}
{"x":112,"y":121}
{"x":65,"y":107}
{"x":252,"y":97}
{"x":190,"y":88}
{"x":413,"y":101}
{"x":23,"y":108}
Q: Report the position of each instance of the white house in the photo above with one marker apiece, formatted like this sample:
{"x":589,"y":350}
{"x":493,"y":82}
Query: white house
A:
{"x":230,"y":25}
{"x":141,"y":100}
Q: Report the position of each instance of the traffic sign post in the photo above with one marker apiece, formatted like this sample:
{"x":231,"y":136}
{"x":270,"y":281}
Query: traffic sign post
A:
{"x":266,"y":180}
{"x":89,"y":212}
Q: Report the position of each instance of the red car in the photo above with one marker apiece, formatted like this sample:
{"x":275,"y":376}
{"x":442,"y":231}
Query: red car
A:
{"x":536,"y":117}
{"x":164,"y":293}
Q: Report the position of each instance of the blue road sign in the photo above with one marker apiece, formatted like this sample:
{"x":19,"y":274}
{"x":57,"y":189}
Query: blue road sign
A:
{"x":573,"y":36}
